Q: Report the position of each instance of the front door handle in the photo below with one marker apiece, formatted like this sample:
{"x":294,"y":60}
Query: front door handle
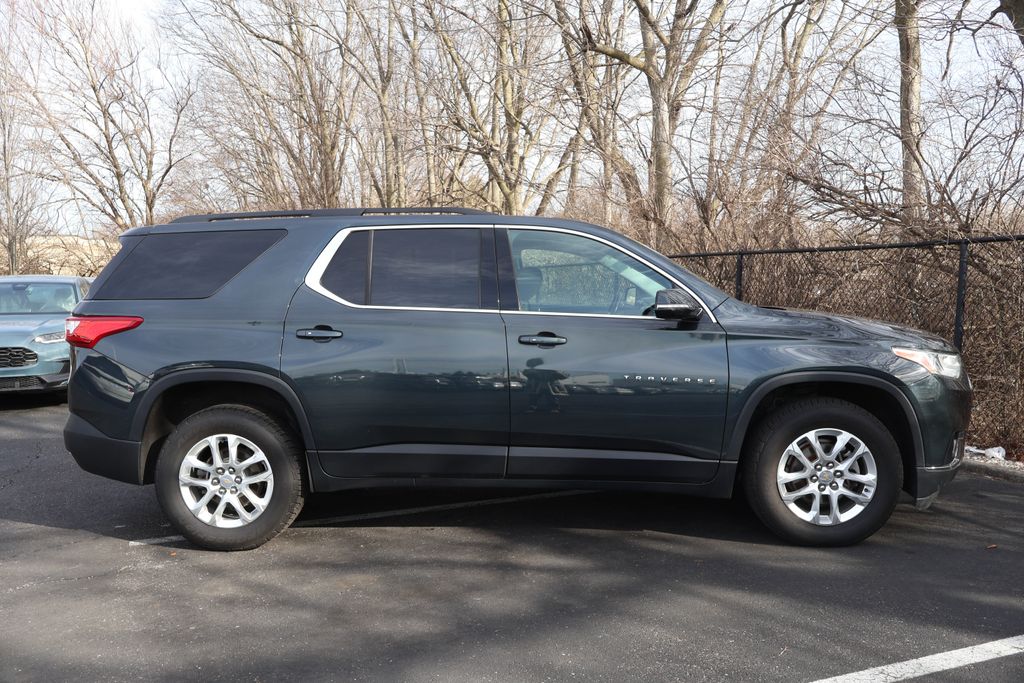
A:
{"x":320,"y":333}
{"x":542,"y":339}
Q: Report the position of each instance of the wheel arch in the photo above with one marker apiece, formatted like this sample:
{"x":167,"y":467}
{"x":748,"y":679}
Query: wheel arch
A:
{"x":175,"y":396}
{"x":880,"y":397}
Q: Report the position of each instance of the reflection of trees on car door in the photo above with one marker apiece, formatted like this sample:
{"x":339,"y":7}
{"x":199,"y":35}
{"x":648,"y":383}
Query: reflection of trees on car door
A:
{"x":599,"y":390}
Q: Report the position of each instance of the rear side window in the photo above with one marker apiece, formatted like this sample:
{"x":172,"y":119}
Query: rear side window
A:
{"x":414,"y":268}
{"x":186,"y":265}
{"x":433,"y":268}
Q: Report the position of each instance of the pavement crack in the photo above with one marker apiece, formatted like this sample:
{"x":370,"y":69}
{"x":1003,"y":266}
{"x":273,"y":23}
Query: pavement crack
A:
{"x":67,"y":579}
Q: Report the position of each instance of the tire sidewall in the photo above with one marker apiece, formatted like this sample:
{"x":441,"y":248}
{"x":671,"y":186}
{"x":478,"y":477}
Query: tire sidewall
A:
{"x":226,"y":421}
{"x":865,"y":427}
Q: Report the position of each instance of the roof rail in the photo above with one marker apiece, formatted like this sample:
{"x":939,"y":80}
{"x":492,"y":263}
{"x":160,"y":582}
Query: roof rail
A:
{"x":324,"y":213}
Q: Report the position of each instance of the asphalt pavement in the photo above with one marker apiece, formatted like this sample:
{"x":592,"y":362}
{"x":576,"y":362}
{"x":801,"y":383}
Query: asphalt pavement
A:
{"x":590,"y":586}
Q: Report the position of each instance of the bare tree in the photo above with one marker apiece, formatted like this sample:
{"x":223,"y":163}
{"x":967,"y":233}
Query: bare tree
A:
{"x":911,"y":128}
{"x":442,"y":155}
{"x":1014,"y":11}
{"x":22,"y":199}
{"x":675,"y":37}
{"x":278,"y":101}
{"x":598,"y":86}
{"x":497,"y":101}
{"x":112,"y":117}
{"x":368,"y":40}
{"x":683,"y":122}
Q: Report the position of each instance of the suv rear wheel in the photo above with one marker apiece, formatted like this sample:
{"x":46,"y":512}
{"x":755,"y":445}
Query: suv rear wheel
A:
{"x":823,"y":472}
{"x":229,"y":478}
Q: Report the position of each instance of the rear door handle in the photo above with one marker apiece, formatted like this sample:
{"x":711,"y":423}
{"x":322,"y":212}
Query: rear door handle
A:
{"x":320,"y":333}
{"x":542,"y":339}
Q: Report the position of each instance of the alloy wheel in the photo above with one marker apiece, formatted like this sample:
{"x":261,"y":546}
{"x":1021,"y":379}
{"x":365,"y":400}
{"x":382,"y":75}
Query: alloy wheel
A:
{"x":226,"y":481}
{"x":827,"y":476}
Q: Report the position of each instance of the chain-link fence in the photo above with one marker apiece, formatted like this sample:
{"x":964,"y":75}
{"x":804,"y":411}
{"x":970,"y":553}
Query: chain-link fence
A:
{"x":970,"y":292}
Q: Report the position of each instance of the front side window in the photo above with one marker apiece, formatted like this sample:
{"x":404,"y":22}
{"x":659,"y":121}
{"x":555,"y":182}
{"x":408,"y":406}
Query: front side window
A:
{"x":408,"y":268}
{"x":564,"y":273}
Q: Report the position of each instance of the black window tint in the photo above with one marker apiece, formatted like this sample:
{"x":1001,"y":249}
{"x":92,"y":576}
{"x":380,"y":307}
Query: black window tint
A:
{"x":186,"y":265}
{"x":426,"y":267}
{"x":128,"y":244}
{"x":346,"y":273}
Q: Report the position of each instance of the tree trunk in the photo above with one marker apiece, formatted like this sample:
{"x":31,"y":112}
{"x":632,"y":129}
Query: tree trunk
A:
{"x":913,"y":206}
{"x":1014,"y":11}
{"x":659,"y":179}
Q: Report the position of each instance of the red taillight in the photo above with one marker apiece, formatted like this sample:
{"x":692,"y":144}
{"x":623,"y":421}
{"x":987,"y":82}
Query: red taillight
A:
{"x":85,"y":330}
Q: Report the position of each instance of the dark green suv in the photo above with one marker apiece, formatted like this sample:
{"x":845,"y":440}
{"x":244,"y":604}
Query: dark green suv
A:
{"x":239,"y":361}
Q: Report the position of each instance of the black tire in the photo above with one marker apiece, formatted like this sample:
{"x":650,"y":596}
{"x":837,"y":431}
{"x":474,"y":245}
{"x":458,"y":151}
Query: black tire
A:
{"x":767,"y":445}
{"x":283,"y":454}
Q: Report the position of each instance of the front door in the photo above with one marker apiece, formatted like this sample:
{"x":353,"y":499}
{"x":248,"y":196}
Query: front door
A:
{"x":398,"y":354}
{"x":601,"y":389}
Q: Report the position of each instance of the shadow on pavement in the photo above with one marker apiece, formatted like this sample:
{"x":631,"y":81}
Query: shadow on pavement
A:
{"x":31,"y":400}
{"x":629,"y":586}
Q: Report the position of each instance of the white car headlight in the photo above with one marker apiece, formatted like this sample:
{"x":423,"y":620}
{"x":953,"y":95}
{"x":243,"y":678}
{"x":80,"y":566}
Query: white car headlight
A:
{"x":50,"y":338}
{"x":935,"y":362}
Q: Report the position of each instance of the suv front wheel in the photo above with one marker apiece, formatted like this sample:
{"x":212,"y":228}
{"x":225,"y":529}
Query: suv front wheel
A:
{"x":229,"y":478}
{"x":823,"y":472}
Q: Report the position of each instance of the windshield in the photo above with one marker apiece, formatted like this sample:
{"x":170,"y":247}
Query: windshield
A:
{"x":36,"y":297}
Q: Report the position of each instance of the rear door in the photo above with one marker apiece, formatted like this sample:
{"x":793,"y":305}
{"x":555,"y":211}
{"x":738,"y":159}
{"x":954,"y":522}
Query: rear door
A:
{"x":601,"y":389}
{"x":397,"y":351}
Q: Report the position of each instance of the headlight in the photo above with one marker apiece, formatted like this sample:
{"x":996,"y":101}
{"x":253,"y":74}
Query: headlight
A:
{"x":49,"y":338}
{"x":945,"y":364}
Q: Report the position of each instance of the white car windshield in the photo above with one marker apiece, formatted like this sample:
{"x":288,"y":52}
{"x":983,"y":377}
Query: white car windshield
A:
{"x":36,"y":297}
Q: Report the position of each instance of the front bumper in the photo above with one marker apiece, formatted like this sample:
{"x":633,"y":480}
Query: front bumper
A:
{"x":98,"y":453}
{"x":943,"y":409}
{"x":48,"y":372}
{"x":930,"y":481}
{"x":31,"y":380}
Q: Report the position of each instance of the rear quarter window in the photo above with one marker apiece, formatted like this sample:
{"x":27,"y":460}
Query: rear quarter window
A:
{"x":185,"y":265}
{"x":412,"y":268}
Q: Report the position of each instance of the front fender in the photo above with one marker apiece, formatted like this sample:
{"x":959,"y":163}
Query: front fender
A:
{"x":755,"y":395}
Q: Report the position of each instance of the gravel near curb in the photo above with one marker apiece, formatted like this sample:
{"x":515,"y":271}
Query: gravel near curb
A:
{"x":998,"y":469}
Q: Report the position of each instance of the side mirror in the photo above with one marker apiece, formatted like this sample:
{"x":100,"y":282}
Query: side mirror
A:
{"x":676,"y":304}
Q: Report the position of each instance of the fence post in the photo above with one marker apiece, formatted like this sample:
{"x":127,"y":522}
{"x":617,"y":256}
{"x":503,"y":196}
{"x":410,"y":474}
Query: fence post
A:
{"x":739,"y":277}
{"x":961,"y":296}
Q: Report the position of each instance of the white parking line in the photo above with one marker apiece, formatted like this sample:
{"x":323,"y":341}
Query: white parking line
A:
{"x":944,"y":661}
{"x":391,"y":513}
{"x":157,"y":541}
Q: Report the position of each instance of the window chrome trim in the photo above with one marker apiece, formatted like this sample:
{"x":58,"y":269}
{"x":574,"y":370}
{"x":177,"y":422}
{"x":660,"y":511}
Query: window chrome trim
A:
{"x":316,"y":271}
